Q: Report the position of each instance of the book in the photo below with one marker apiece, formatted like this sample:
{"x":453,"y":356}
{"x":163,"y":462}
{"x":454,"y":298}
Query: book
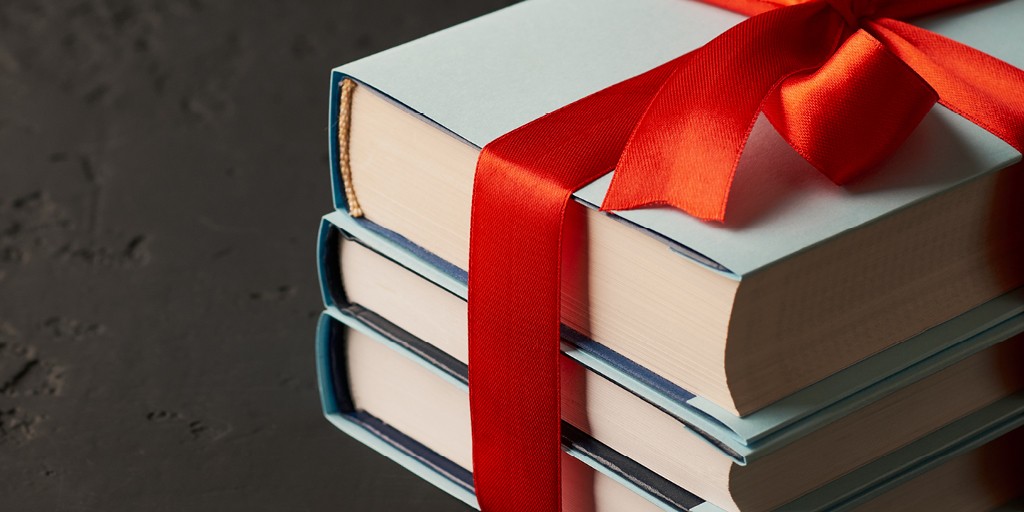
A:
{"x":438,"y":319}
{"x":802,"y":280}
{"x":418,"y":414}
{"x":429,"y":321}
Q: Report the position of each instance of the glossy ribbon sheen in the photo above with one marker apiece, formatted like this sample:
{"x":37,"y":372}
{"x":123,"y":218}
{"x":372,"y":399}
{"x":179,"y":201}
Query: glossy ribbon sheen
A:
{"x":842,"y":81}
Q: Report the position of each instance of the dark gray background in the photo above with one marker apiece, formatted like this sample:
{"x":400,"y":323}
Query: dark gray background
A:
{"x":163,"y":165}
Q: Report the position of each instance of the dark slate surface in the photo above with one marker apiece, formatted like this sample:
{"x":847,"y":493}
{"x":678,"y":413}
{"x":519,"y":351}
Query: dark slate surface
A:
{"x":163,"y":166}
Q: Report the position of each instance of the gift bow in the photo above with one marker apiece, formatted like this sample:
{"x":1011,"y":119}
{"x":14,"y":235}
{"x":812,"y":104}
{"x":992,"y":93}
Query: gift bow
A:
{"x":842,"y":81}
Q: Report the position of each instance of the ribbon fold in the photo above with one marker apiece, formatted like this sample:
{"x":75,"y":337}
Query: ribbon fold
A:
{"x":843,"y":81}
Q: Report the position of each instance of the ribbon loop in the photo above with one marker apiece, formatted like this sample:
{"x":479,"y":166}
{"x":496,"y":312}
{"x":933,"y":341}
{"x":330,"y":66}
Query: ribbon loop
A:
{"x":853,"y":10}
{"x":852,"y":112}
{"x":684,"y":150}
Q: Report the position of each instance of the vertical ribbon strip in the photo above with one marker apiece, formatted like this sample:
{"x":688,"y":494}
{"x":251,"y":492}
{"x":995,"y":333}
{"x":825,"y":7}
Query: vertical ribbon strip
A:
{"x":840,"y":80}
{"x":520,"y":194}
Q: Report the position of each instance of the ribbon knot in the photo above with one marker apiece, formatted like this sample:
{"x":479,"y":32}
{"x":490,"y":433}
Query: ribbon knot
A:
{"x":853,"y":11}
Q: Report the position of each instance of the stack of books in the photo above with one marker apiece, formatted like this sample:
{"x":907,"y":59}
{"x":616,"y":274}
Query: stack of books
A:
{"x":826,"y":348}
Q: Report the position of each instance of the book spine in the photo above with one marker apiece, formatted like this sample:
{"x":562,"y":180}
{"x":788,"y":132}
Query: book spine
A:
{"x":339,"y":409}
{"x":333,"y":137}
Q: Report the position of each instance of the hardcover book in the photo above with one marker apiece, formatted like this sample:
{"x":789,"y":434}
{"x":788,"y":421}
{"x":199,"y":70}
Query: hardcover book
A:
{"x":381,"y":393}
{"x":744,"y":438}
{"x":803,"y":279}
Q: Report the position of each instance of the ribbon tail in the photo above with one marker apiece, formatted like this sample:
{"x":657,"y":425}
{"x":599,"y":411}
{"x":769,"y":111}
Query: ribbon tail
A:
{"x":684,"y":151}
{"x":975,"y":85}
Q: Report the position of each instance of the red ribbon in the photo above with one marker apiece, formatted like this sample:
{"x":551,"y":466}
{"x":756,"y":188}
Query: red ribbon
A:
{"x":842,"y":81}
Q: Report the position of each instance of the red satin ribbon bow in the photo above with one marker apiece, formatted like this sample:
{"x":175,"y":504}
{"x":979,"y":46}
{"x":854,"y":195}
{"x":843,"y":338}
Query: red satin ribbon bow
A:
{"x":842,"y":81}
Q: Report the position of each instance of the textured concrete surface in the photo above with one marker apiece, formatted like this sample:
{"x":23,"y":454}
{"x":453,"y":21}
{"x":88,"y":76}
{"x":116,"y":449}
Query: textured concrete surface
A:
{"x":163,"y":166}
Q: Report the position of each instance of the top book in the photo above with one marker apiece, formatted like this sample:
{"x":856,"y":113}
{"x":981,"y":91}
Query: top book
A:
{"x":803,"y":279}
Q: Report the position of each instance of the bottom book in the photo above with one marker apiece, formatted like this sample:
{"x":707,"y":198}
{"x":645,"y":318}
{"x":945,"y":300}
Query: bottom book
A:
{"x":417,"y":413}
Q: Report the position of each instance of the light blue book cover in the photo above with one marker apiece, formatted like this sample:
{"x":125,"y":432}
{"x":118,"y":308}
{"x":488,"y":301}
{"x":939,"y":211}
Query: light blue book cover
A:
{"x":845,"y":493}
